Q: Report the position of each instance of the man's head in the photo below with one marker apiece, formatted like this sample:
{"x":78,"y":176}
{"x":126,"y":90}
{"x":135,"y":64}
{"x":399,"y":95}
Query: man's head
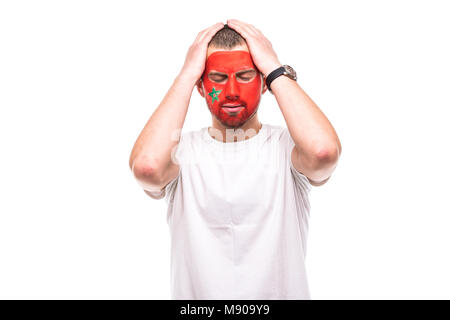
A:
{"x":231,"y":83}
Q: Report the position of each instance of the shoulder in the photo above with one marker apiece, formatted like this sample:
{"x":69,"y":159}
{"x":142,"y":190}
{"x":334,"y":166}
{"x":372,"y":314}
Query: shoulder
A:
{"x":275,"y":132}
{"x":190,"y":138}
{"x":281,"y":134}
{"x":189,"y":144}
{"x":192,"y":135}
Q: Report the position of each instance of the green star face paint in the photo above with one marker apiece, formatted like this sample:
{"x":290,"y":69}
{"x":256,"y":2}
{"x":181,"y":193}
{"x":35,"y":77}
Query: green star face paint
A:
{"x":234,"y":87}
{"x":214,"y":95}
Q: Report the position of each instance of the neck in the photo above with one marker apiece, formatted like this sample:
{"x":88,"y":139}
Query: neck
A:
{"x":224,"y":134}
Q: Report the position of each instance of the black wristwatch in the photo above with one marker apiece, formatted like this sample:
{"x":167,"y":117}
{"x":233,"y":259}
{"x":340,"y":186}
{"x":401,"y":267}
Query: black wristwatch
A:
{"x":284,"y":70}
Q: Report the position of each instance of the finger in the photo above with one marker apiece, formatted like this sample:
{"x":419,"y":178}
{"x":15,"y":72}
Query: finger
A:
{"x":210,"y":32}
{"x":201,"y":33}
{"x":241,"y":28}
{"x":244,"y":25}
{"x":253,"y":28}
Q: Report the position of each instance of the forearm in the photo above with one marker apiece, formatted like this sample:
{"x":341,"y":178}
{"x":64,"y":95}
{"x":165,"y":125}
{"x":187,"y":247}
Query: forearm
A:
{"x":314,"y":136}
{"x":153,"y":147}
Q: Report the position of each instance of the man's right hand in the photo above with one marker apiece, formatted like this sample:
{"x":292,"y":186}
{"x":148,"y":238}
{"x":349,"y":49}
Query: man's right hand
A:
{"x":194,"y":64}
{"x":151,"y":157}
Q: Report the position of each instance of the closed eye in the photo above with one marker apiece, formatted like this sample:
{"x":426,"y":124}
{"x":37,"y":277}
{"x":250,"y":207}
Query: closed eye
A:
{"x":217,"y":77}
{"x":247,"y":75}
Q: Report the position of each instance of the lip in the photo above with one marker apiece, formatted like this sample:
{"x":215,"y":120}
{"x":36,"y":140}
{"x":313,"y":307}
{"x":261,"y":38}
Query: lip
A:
{"x":231,"y":105}
{"x":233,"y":109}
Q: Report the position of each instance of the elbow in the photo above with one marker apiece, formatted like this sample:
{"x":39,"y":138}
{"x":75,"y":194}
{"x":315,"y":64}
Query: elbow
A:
{"x":146,"y":171}
{"x":328,"y":154}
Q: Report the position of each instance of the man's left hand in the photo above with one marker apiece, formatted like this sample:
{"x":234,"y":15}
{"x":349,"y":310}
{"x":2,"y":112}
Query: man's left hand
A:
{"x":260,"y":47}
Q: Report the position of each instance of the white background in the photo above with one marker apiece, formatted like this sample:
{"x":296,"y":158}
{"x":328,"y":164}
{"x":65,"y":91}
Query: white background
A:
{"x":79,"y":80}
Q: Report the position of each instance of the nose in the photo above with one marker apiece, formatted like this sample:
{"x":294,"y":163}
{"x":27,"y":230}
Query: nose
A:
{"x":232,"y":89}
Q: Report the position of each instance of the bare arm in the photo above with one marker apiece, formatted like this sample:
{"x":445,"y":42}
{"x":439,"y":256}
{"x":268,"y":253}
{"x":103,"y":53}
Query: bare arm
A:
{"x":317,"y":146}
{"x":150,"y":159}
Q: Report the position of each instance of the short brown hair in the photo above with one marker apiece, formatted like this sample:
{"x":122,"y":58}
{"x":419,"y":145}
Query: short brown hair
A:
{"x":226,"y":38}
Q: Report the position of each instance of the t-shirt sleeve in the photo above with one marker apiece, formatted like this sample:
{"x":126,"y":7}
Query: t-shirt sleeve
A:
{"x":300,"y":180}
{"x":168,"y":191}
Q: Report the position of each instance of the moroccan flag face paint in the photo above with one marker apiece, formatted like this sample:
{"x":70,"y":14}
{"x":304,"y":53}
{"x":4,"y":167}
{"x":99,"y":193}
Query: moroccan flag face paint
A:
{"x":232,"y":87}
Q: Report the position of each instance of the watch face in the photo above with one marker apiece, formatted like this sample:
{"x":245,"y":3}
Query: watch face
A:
{"x":290,"y":72}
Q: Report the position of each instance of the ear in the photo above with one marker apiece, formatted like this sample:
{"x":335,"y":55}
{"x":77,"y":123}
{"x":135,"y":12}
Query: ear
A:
{"x":200,"y":87}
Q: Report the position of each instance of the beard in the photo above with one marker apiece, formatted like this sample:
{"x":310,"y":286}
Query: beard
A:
{"x":235,"y":121}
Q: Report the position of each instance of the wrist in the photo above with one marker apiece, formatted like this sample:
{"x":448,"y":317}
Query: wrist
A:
{"x":187,"y":78}
{"x":272,"y":67}
{"x":284,"y":70}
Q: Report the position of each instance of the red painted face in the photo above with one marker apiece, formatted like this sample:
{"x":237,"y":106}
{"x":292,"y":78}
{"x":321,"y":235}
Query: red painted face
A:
{"x":232,"y":87}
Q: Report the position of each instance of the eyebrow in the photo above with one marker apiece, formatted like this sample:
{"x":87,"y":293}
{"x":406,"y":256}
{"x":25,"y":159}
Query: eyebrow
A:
{"x":213,"y":73}
{"x":246,"y":71}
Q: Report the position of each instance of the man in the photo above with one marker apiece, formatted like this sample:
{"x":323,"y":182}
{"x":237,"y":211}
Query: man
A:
{"x":237,"y":191}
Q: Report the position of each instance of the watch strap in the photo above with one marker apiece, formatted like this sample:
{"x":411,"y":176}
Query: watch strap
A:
{"x":273,"y":75}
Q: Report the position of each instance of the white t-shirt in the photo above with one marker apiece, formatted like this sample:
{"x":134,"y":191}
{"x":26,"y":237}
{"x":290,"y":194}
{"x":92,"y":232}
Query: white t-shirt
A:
{"x":238,"y":217}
